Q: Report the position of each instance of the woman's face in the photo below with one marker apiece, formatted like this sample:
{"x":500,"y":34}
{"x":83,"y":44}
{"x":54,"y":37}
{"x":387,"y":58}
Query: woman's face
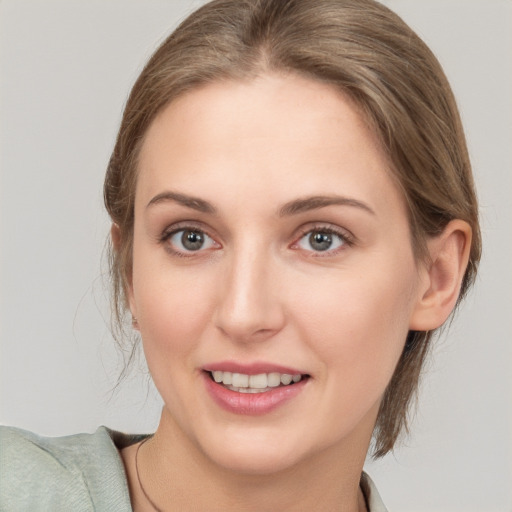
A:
{"x":270,"y":240}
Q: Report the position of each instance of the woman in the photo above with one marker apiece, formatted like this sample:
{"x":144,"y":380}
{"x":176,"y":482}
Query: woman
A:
{"x":293,"y":216}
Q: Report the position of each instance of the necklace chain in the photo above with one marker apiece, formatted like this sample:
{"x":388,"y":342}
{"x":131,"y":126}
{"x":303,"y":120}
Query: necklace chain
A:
{"x":150,"y":501}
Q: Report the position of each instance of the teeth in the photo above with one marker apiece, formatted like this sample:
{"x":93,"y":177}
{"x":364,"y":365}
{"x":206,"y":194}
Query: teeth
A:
{"x":274,"y":379}
{"x":254,"y":383}
{"x":239,"y":380}
{"x":286,"y":378}
{"x":258,"y":381}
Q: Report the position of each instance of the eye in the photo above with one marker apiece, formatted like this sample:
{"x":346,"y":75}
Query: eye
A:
{"x":321,"y":240}
{"x":190,"y":240}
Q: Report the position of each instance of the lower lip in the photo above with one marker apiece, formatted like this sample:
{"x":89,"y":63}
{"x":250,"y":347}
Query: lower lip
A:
{"x":251,"y":403}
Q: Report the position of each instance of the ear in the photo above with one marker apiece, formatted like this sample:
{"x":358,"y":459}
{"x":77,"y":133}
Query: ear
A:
{"x":441,"y":277}
{"x":115,"y":236}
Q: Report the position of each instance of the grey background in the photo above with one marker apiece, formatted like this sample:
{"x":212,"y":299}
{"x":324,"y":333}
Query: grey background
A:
{"x":66,"y":69}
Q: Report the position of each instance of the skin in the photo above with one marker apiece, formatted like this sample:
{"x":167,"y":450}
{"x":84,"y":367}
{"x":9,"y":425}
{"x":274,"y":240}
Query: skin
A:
{"x":259,"y":291}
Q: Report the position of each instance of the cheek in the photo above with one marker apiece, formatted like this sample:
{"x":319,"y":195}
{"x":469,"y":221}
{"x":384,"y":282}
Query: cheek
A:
{"x":358,"y":327}
{"x":173,"y":306}
{"x":173,"y":309}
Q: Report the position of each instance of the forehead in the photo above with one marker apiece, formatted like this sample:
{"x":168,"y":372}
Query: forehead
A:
{"x":276,"y":135}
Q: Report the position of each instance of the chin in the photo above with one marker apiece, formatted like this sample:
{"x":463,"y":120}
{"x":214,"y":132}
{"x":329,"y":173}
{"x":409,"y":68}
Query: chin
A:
{"x":253,"y":452}
{"x":256,"y":462}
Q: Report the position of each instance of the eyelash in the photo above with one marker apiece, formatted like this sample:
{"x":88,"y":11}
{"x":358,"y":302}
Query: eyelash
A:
{"x":346,"y":239}
{"x":177,"y":228}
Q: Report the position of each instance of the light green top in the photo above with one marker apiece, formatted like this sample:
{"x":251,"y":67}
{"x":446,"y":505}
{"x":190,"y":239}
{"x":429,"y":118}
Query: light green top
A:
{"x":78,"y":473}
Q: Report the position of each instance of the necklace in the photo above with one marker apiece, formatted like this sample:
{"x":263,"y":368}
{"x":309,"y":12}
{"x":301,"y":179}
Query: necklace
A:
{"x":150,"y":501}
{"x":138,"y":477}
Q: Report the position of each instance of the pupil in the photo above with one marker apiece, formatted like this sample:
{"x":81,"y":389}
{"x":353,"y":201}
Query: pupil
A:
{"x":192,"y":240}
{"x":320,"y":241}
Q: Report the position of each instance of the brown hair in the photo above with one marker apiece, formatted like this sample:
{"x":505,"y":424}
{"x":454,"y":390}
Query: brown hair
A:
{"x":362,"y":49}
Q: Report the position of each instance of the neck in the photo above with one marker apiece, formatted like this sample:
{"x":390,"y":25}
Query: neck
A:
{"x":177,"y":475}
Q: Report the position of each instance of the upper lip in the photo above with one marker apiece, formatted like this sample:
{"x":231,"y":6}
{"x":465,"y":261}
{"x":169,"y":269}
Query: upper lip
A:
{"x":255,"y":368}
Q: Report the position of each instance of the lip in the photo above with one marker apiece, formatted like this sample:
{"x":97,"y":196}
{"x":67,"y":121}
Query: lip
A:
{"x":251,"y":404}
{"x":251,"y":369}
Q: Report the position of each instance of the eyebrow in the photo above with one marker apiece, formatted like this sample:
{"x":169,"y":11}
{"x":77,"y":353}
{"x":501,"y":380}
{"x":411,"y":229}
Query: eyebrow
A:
{"x":315,"y":202}
{"x":291,"y":208}
{"x":194,"y":203}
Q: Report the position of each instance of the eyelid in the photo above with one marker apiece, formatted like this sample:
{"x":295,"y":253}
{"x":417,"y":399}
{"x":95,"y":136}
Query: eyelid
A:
{"x":181,"y":225}
{"x":348,"y":238}
{"x":172,"y":229}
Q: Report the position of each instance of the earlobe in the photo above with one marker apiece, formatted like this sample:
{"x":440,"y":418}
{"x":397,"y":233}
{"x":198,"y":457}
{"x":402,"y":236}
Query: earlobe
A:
{"x":442,"y":276}
{"x":115,"y":235}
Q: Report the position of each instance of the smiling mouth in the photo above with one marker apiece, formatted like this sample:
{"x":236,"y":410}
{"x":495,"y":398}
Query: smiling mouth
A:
{"x":260,"y":383}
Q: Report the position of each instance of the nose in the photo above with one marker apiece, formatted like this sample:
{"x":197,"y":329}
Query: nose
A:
{"x":250,"y":307}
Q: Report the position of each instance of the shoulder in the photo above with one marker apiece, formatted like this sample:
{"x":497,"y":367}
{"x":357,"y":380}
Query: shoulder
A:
{"x":79,"y":472}
{"x":40,"y":472}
